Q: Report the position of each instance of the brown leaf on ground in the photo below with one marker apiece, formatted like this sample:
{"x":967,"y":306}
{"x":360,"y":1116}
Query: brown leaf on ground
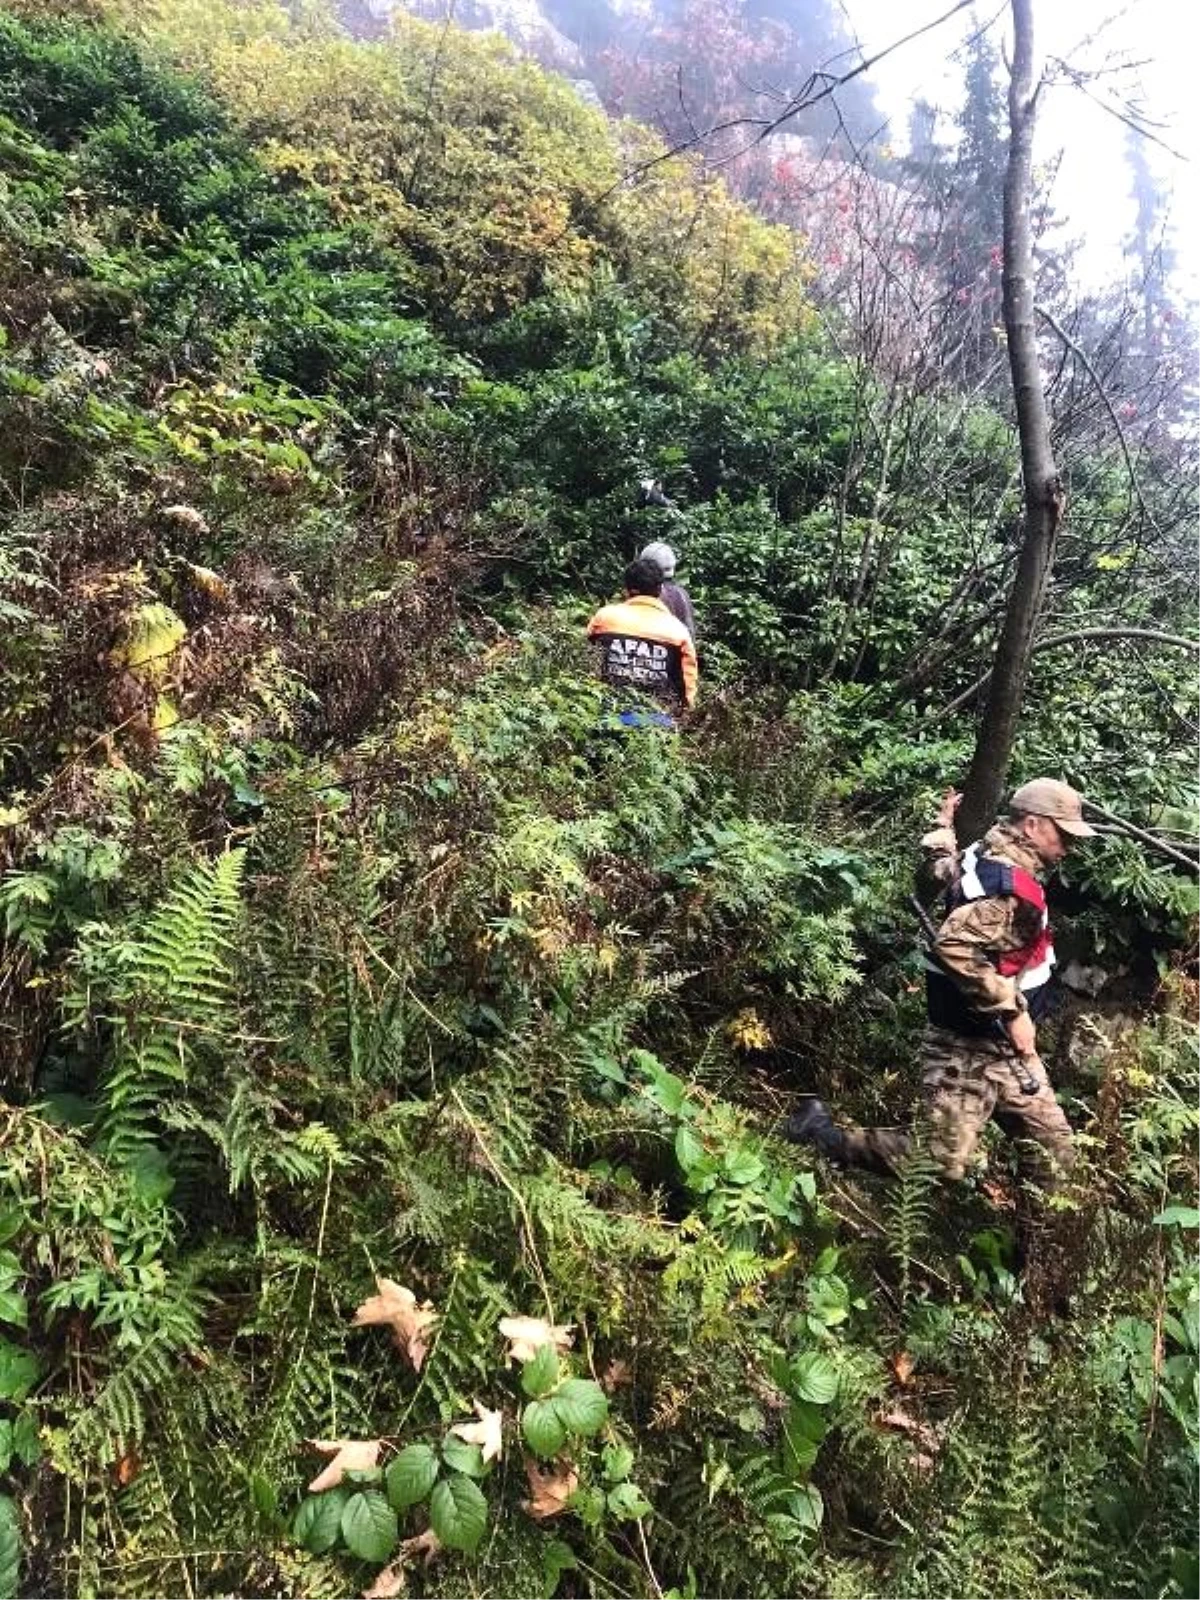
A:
{"x":389,"y":1582}
{"x":616,"y":1375}
{"x":903,"y":1366}
{"x":186,"y":517}
{"x":426,"y":1545}
{"x":526,"y":1336}
{"x":549,"y":1491}
{"x":1003,"y":1199}
{"x":926,"y":1441}
{"x":211,"y":582}
{"x":396,"y":1307}
{"x":349,"y":1455}
{"x":487,"y":1433}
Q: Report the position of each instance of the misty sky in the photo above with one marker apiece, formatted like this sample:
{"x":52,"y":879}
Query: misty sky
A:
{"x":1093,"y":188}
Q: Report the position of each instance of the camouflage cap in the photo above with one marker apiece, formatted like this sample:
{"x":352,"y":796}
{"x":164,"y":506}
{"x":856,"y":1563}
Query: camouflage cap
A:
{"x":1047,"y":797}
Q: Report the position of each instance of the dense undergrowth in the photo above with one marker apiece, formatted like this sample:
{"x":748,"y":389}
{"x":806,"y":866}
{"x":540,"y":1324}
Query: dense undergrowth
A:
{"x":340,"y":947}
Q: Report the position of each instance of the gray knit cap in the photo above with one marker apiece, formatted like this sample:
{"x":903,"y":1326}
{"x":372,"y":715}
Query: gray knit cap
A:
{"x":663,"y":557}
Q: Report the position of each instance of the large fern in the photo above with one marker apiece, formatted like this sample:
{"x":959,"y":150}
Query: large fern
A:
{"x":175,"y":994}
{"x":909,"y":1207}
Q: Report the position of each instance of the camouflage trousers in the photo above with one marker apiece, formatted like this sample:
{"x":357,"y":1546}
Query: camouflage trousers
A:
{"x":965,"y":1082}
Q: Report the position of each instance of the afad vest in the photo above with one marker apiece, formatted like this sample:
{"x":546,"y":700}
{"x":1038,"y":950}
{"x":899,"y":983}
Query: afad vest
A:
{"x":984,"y":878}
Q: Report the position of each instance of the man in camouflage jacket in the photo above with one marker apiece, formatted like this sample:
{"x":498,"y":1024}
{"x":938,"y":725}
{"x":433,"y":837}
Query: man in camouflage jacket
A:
{"x":986,"y":989}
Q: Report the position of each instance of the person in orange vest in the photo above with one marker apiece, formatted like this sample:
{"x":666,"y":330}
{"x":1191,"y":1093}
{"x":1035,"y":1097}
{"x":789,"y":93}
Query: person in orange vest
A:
{"x":640,"y":645}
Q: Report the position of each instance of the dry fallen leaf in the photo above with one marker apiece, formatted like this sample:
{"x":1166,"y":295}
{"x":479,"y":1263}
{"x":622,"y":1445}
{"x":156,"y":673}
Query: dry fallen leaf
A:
{"x":1003,"y":1199}
{"x":426,"y":1545}
{"x":397,"y":1308}
{"x":487,"y":1433}
{"x":526,"y":1336}
{"x":549,"y":1491}
{"x":349,"y":1455}
{"x":926,"y":1441}
{"x":211,"y":582}
{"x":186,"y":517}
{"x":616,"y":1375}
{"x":903,"y":1366}
{"x":389,"y":1582}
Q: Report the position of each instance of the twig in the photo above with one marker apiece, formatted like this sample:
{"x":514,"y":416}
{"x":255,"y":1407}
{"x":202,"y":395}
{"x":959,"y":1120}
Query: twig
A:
{"x":521,"y":1206}
{"x":883,"y":1233}
{"x":1051,"y":642}
{"x":1085,"y":361}
{"x":818,"y":87}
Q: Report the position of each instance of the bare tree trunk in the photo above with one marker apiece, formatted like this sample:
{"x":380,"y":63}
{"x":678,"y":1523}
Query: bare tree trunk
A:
{"x":1044,"y":499}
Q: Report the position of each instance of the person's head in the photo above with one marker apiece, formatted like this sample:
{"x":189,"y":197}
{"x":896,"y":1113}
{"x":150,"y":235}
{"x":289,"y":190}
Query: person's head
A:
{"x":1049,"y":814}
{"x":643,"y":577}
{"x":662,"y":556}
{"x":650,"y":493}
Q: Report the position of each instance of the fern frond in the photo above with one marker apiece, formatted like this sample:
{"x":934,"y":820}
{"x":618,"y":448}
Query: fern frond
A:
{"x":177,"y":988}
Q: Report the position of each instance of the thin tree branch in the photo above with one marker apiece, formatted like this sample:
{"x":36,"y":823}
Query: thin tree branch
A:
{"x":818,"y":87}
{"x":1150,"y":840}
{"x":1051,"y":641}
{"x":1138,"y":123}
{"x":1085,"y":361}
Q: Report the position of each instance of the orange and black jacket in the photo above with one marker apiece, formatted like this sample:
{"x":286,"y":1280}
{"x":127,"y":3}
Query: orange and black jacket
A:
{"x":642,"y":646}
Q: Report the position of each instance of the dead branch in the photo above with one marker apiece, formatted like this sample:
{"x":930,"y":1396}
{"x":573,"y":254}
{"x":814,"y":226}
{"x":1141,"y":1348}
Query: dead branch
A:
{"x":1150,"y":840}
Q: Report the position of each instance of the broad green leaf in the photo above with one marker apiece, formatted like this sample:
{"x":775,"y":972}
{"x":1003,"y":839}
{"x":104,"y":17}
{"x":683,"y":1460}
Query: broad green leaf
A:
{"x":19,"y":1371}
{"x":458,"y":1512}
{"x":1178,"y":1217}
{"x":557,"y":1558}
{"x":808,"y":1187}
{"x":581,"y":1406}
{"x":151,"y":1174}
{"x":667,"y":1091}
{"x":363,"y":1477}
{"x":463,"y":1457}
{"x":264,"y":1496}
{"x":14,"y":1308}
{"x":807,"y":1507}
{"x":26,"y":1445}
{"x":689,"y":1150}
{"x":12,"y":1220}
{"x":369,"y":1526}
{"x":10,"y":1549}
{"x":803,"y":1430}
{"x":742,"y":1166}
{"x":628,"y":1503}
{"x":6,"y":1443}
{"x":589,"y":1505}
{"x":411,"y":1475}
{"x":544,"y":1430}
{"x":540,"y":1375}
{"x":618,"y":1462}
{"x":814,"y":1377}
{"x":317,"y":1524}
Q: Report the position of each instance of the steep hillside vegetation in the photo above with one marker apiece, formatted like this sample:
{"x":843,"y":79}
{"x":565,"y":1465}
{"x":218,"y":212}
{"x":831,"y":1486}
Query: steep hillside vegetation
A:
{"x":357,"y":998}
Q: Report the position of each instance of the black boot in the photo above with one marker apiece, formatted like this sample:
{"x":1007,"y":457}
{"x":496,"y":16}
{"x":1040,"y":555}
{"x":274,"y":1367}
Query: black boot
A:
{"x":812,"y":1124}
